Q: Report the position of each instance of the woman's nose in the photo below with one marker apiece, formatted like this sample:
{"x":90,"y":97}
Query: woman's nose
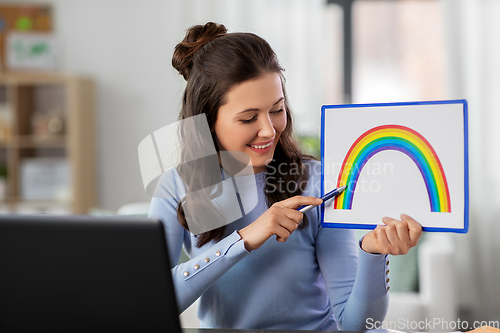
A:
{"x":266,"y":128}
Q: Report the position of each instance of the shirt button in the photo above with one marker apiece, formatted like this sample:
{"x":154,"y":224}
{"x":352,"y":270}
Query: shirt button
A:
{"x":388,"y":287}
{"x":196,"y":266}
{"x":217,"y":253}
{"x":387,"y":280}
{"x":387,"y":272}
{"x":207,"y":259}
{"x":387,"y":262}
{"x":186,"y":273}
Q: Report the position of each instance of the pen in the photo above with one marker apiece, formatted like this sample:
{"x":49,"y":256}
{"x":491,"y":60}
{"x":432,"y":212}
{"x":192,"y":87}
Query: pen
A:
{"x":326,"y":197}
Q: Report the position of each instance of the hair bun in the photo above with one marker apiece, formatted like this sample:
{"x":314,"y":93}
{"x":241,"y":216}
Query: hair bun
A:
{"x":196,"y":37}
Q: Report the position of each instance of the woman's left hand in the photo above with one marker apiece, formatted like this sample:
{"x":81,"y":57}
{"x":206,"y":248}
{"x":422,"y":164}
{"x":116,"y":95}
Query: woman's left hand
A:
{"x":395,"y":237}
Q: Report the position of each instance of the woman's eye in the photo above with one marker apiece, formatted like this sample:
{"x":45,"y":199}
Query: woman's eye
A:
{"x":247,"y":121}
{"x":254,"y":118}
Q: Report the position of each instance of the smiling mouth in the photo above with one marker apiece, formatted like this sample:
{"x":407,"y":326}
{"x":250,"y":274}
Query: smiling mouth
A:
{"x":261,"y":146}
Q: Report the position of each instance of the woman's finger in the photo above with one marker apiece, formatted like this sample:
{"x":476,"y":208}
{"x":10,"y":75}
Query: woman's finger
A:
{"x":392,"y":235}
{"x":403,"y":232}
{"x":391,"y":231}
{"x":289,"y":224}
{"x":383,"y":241}
{"x":299,"y":200}
{"x":294,"y":215}
{"x":281,"y":233}
{"x":415,"y":229}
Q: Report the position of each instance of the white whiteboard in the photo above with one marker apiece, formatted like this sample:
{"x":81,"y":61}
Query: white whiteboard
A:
{"x":396,"y":158}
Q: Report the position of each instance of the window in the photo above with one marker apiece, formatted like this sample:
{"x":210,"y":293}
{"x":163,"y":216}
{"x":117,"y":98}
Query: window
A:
{"x":393,"y":50}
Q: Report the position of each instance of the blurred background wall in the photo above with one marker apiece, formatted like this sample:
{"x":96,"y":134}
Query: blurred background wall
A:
{"x":402,"y":51}
{"x":125,"y":47}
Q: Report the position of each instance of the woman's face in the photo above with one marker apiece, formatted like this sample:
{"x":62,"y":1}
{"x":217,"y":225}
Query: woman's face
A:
{"x":252,"y":119}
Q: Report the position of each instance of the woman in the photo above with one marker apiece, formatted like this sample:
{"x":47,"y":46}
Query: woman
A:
{"x":311,"y":278}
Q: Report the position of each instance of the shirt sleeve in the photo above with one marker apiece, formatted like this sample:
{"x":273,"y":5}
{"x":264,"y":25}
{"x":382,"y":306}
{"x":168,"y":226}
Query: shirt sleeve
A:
{"x":356,"y":281}
{"x":192,"y":278}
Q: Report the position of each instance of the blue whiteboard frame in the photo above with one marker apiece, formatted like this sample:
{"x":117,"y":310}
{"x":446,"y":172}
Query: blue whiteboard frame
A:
{"x":463,"y":230}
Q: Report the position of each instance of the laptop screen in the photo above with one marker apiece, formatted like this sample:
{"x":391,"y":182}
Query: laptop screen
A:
{"x":84,"y":273}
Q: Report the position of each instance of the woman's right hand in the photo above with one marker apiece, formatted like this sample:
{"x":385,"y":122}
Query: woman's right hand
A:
{"x":281,"y":219}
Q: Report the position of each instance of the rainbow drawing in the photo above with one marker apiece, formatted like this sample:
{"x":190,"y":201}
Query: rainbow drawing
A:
{"x":405,"y":140}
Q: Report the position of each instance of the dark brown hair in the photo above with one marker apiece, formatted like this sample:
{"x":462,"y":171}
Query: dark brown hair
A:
{"x":213,"y":61}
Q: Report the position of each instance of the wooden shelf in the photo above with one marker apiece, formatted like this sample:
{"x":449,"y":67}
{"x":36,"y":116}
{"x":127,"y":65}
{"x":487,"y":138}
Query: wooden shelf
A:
{"x":33,"y":141}
{"x":31,"y":99}
{"x":34,"y":78}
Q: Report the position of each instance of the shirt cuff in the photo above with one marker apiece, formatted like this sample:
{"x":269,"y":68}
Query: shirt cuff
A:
{"x":232,"y":247}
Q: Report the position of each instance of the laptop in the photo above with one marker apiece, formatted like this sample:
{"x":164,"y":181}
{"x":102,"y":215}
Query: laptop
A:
{"x":85,"y":274}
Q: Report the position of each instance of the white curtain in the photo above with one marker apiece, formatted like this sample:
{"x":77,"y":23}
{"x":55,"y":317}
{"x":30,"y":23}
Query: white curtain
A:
{"x":474,"y":36}
{"x":300,"y":32}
